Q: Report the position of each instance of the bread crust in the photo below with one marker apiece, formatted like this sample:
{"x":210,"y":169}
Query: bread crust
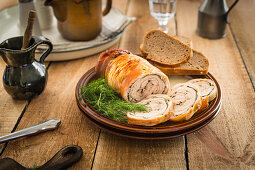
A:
{"x":178,"y":37}
{"x":182,"y":71}
{"x":175,"y":69}
{"x":144,"y":52}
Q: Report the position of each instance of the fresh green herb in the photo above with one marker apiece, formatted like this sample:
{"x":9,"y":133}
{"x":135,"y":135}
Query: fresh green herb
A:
{"x":107,"y":101}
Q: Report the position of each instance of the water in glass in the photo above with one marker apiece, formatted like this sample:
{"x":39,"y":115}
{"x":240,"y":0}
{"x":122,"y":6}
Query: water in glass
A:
{"x":162,"y":10}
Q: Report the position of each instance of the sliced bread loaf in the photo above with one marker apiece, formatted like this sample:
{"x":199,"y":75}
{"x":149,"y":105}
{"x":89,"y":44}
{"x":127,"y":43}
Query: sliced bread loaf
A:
{"x":184,"y":39}
{"x":164,"y":49}
{"x":197,"y":65}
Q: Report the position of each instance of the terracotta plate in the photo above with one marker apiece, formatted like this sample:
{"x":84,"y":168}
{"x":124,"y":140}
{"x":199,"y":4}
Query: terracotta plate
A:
{"x":164,"y":130}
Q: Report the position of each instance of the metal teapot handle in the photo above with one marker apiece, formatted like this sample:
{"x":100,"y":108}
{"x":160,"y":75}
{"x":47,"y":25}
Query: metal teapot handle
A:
{"x":42,"y":40}
{"x":231,"y":7}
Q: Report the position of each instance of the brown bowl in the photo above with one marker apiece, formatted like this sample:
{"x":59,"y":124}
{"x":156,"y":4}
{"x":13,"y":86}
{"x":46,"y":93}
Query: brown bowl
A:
{"x":164,"y":130}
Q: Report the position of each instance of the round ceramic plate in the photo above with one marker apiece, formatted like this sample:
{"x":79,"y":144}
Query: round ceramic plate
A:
{"x":164,"y":130}
{"x":113,"y":27}
{"x":156,"y":136}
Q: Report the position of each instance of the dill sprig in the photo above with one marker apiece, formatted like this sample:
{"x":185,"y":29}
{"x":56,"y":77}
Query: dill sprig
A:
{"x":107,"y":101}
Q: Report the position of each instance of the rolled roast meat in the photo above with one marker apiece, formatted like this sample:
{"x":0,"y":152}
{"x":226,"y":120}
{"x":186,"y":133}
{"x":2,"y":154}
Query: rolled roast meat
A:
{"x":208,"y":90}
{"x":186,"y":100}
{"x":160,"y":109}
{"x":131,"y":76}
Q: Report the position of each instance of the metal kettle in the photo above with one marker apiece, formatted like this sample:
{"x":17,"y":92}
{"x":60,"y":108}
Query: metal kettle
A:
{"x":212,"y":18}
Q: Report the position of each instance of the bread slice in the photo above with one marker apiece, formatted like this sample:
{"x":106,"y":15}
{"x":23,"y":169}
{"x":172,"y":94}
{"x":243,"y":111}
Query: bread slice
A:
{"x":164,"y":49}
{"x":197,"y":65}
{"x":184,"y":40}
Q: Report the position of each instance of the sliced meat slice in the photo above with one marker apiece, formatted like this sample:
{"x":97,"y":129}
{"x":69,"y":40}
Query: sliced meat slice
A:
{"x":206,"y":87}
{"x":186,"y":101}
{"x":159,"y":110}
{"x":208,"y":90}
{"x":135,"y":78}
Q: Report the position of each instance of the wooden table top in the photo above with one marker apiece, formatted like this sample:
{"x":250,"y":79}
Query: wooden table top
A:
{"x":228,"y":142}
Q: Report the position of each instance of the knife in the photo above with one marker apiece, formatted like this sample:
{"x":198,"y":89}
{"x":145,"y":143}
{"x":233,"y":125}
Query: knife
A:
{"x":50,"y":124}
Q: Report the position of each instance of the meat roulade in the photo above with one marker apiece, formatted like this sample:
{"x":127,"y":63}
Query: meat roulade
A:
{"x":159,"y":107}
{"x":207,"y":90}
{"x":131,"y":76}
{"x":186,"y":101}
{"x":106,"y":57}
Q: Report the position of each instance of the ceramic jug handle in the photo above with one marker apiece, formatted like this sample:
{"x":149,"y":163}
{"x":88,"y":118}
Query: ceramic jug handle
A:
{"x":42,"y":40}
{"x":231,"y":7}
{"x":108,"y":7}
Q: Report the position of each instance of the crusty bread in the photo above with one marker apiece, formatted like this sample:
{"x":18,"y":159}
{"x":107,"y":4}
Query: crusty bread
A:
{"x":197,"y":65}
{"x":164,"y":49}
{"x":184,"y":39}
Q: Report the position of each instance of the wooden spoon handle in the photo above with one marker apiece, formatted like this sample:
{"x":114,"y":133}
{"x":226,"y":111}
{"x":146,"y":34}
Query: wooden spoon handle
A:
{"x":29,"y":29}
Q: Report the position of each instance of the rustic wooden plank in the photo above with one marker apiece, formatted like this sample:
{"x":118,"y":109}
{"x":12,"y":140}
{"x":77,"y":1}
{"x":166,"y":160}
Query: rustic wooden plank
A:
{"x":58,"y":101}
{"x":243,"y":24}
{"x":134,"y":34}
{"x":228,"y":141}
{"x":5,"y":4}
{"x":10,"y":109}
{"x":115,"y":152}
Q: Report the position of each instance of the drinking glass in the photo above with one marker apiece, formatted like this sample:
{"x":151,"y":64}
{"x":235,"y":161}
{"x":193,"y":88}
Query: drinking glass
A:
{"x":163,"y":11}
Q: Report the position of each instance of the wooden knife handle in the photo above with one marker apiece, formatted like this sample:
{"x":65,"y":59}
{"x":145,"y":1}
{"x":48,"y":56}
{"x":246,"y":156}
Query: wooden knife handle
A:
{"x":64,"y":158}
{"x":29,"y":29}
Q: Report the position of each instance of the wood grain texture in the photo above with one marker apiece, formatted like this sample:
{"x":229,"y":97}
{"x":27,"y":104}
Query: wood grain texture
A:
{"x":226,"y":143}
{"x":115,"y":152}
{"x":10,"y":109}
{"x":122,"y":153}
{"x":134,"y":34}
{"x":243,"y":24}
{"x":58,"y":101}
{"x":7,"y":3}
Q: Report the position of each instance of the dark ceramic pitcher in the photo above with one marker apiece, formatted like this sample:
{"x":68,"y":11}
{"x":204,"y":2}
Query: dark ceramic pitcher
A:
{"x":24,"y":77}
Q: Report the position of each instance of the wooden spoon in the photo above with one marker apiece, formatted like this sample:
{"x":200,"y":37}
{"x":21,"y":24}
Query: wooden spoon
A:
{"x":28,"y":32}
